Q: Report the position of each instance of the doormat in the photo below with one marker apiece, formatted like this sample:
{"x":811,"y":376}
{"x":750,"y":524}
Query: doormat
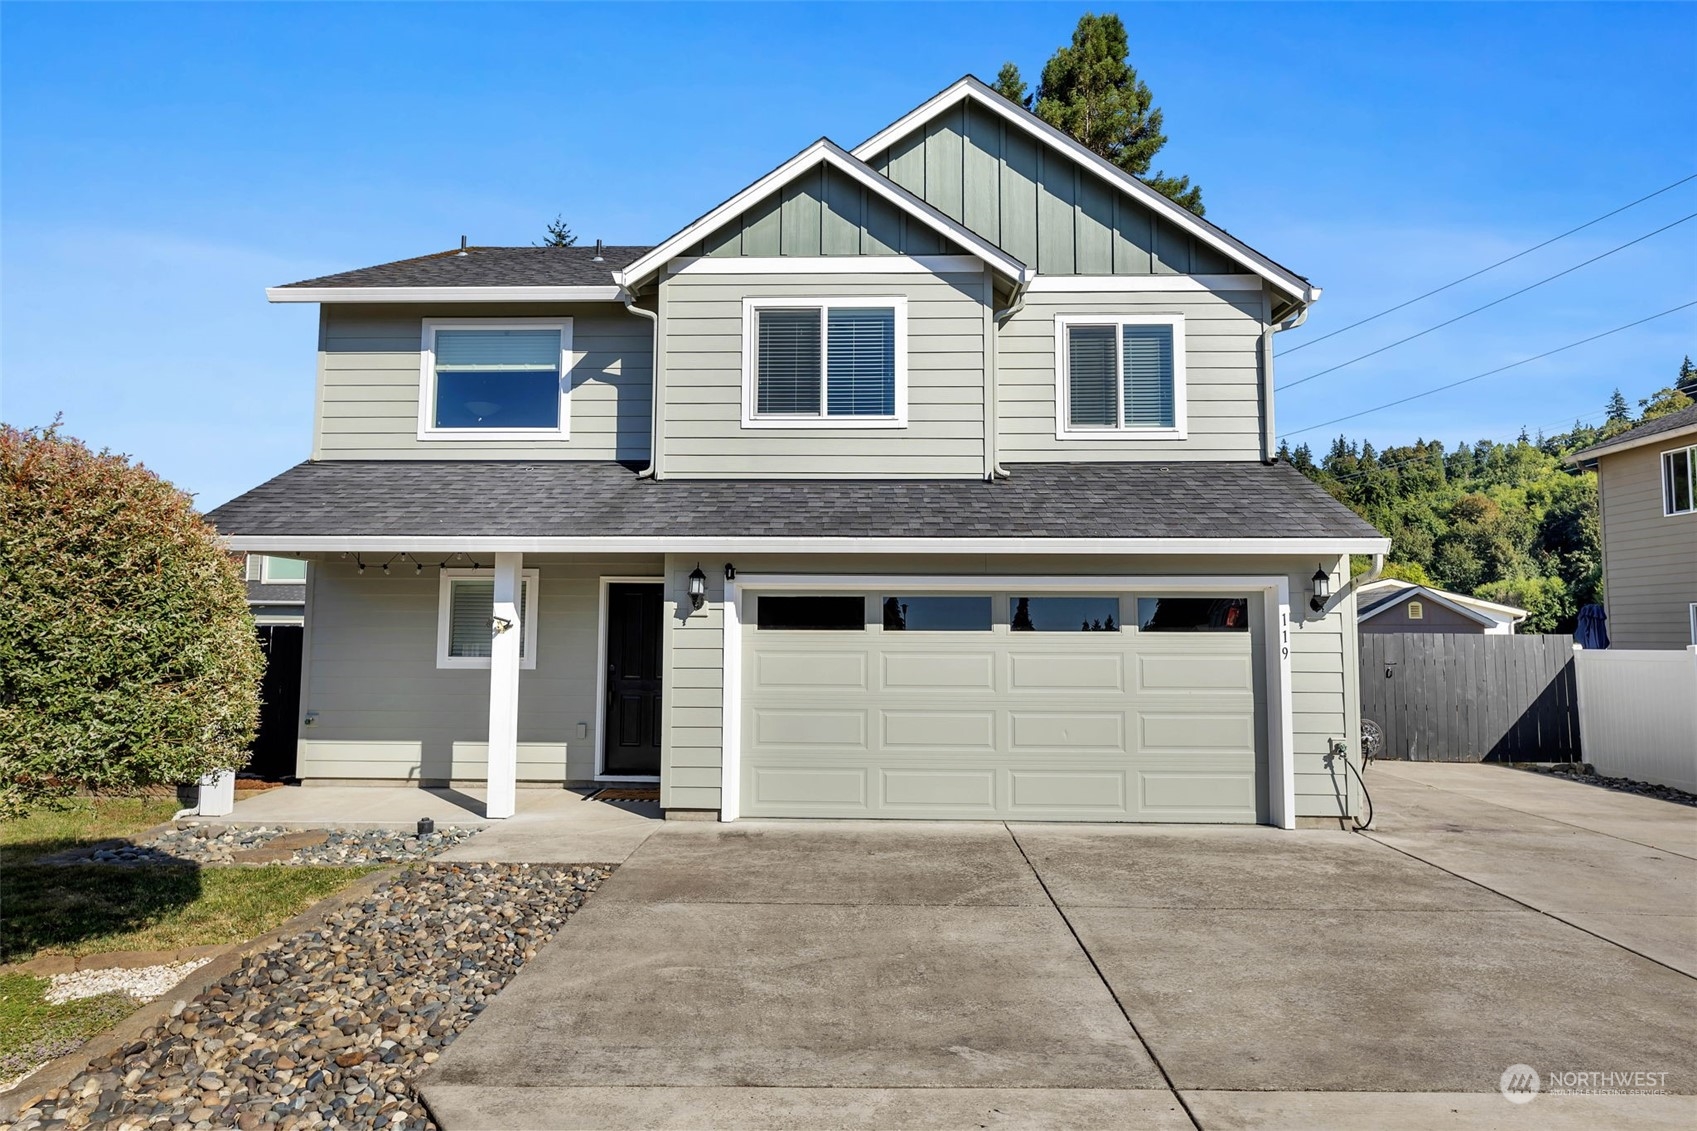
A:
{"x":638,"y":793}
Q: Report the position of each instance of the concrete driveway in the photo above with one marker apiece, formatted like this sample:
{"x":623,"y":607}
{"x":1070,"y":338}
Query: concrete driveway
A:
{"x":802,"y":974}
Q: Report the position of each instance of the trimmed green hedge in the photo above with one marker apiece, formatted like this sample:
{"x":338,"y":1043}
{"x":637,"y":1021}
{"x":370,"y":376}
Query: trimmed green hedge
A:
{"x":127,"y":654}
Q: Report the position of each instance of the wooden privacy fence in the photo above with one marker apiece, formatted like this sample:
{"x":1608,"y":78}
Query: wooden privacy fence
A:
{"x":1456,"y":697}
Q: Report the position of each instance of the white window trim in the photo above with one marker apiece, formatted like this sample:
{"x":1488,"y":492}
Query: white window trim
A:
{"x":1065,"y":430}
{"x":1690,"y":475}
{"x":427,"y":379}
{"x":444,"y":615}
{"x":1693,"y":611}
{"x":750,"y":353}
{"x":265,"y":577}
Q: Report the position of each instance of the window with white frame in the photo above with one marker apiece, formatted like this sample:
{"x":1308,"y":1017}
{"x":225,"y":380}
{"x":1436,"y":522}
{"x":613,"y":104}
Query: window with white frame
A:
{"x":1679,"y":481}
{"x":1119,"y":376}
{"x":465,"y":625}
{"x":281,"y":571}
{"x":824,"y":363}
{"x":1694,"y":622}
{"x":487,"y":379}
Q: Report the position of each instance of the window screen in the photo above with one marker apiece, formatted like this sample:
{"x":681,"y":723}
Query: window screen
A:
{"x":862,"y":362}
{"x":1064,"y":614}
{"x":936,"y":614}
{"x":832,"y":614}
{"x":1192,"y":614}
{"x":787,"y":381}
{"x":471,"y":613}
{"x":497,"y":379}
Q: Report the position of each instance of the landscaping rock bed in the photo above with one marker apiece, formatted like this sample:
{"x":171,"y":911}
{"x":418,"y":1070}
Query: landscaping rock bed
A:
{"x":329,"y":1028}
{"x":1585,"y":772}
{"x":143,"y":983}
{"x":264,"y":844}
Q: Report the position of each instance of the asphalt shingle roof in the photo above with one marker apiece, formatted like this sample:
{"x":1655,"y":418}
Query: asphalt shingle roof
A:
{"x":473,"y":498}
{"x":1672,"y":422}
{"x":491,"y":267}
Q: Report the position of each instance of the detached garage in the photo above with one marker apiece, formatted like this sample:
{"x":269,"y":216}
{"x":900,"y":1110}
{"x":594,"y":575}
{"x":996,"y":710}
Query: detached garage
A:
{"x":1092,"y":701}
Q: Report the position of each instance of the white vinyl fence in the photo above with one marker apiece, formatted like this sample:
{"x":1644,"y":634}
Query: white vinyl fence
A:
{"x":1638,"y":714}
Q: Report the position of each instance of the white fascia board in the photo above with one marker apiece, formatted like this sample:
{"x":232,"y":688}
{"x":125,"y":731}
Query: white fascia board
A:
{"x":829,"y":265}
{"x":823,"y":152}
{"x":971,"y":88}
{"x":1672,"y":437}
{"x":434,"y":543}
{"x":1132,"y":284}
{"x":443,"y":294}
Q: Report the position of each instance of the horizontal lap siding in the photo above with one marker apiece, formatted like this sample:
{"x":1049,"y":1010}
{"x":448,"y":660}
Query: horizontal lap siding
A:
{"x":1222,"y":377}
{"x":1650,"y":559}
{"x":384,"y":710}
{"x":369,"y":373}
{"x":692,"y":715}
{"x":702,"y":430}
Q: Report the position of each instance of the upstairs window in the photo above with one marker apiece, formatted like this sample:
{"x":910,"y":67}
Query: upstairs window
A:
{"x":1119,"y":376}
{"x":1679,"y":481}
{"x":495,"y":380}
{"x":831,"y":363}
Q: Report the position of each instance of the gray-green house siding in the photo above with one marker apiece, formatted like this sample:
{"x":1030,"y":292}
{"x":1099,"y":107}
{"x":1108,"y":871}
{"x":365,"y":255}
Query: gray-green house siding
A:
{"x":369,"y":381}
{"x":1037,"y":204}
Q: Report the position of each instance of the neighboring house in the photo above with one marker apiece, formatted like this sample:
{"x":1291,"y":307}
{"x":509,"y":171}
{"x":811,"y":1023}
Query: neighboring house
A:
{"x":276,"y":590}
{"x":1402,"y":606}
{"x":931,"y":480}
{"x":1647,"y":503}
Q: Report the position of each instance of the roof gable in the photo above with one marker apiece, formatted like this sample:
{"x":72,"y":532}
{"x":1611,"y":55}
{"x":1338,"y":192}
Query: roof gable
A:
{"x":944,"y":149}
{"x":1483,"y":612}
{"x":844,"y":169}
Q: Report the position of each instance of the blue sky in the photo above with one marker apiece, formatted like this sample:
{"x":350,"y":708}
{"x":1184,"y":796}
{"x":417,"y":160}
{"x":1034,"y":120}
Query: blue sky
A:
{"x":163,"y":164}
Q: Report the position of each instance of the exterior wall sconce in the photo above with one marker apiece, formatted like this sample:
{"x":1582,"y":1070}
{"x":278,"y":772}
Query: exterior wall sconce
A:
{"x":697,"y":588}
{"x":1322,"y":589}
{"x":730,"y":572}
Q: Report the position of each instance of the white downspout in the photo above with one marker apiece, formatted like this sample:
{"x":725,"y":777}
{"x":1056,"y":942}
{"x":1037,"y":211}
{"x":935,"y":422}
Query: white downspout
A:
{"x":628,"y":297}
{"x":998,"y":318}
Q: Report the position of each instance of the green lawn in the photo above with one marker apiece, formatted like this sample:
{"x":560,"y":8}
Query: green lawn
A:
{"x":80,"y":821}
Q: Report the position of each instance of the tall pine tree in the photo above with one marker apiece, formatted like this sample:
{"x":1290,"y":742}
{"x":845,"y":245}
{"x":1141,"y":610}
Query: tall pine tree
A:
{"x":1091,"y":91}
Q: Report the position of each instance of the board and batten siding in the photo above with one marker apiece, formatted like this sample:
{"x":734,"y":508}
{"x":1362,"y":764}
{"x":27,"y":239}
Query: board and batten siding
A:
{"x":1649,"y":558}
{"x":369,"y":369}
{"x":1325,"y":692}
{"x":822,"y":212}
{"x":1222,"y":395}
{"x":383,"y":710}
{"x":1035,"y":202}
{"x":702,"y":376}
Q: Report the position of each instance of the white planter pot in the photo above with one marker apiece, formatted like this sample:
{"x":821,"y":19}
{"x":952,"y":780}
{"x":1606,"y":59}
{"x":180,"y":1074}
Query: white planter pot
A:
{"x":217,"y":794}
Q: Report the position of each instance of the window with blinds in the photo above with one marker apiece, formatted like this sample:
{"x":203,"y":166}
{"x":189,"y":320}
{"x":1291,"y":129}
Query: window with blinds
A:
{"x":834,"y":360}
{"x":471,"y":613}
{"x":1120,"y":374}
{"x":496,"y":378}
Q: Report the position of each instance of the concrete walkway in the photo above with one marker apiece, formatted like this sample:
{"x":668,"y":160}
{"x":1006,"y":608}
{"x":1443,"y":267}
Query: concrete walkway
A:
{"x":550,"y":825}
{"x":813,"y":974}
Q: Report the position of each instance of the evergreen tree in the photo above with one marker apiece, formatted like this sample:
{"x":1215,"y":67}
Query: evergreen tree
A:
{"x":559,"y":234}
{"x":1619,"y":411}
{"x":1091,"y":91}
{"x":1687,"y":381}
{"x":1011,"y":86}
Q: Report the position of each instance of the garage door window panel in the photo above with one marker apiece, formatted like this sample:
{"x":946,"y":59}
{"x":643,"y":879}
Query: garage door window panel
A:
{"x":811,"y":614}
{"x":936,"y":614}
{"x":1064,"y":614}
{"x":1192,"y":614}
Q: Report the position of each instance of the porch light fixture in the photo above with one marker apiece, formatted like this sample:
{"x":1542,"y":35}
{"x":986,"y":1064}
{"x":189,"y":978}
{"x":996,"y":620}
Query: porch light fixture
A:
{"x":730,"y":572}
{"x":697,"y":587}
{"x":1322,"y":589}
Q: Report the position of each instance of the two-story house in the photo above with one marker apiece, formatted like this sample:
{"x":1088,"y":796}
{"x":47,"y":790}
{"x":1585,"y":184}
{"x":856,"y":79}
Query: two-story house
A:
{"x":1647,"y":510}
{"x":928,"y":480}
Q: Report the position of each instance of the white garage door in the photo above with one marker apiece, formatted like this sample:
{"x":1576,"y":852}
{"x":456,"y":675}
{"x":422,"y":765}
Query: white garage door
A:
{"x":1091,"y":707}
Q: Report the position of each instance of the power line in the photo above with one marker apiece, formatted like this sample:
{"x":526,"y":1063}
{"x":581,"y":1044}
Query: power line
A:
{"x":1492,"y":267}
{"x":1487,"y":306}
{"x":1488,"y":372}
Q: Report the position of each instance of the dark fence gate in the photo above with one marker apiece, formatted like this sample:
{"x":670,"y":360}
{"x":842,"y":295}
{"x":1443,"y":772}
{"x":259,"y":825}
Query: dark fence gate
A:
{"x":279,"y":702}
{"x":1456,"y":697}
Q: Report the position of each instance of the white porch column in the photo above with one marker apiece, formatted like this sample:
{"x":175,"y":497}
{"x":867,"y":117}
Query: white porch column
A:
{"x":504,"y":686}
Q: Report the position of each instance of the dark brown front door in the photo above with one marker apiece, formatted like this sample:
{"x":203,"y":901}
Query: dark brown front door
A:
{"x":633,"y":679}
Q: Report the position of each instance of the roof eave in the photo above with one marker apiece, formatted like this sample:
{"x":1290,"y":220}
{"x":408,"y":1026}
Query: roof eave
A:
{"x":606,"y":293}
{"x":971,"y":87}
{"x":438,"y":543}
{"x":1587,"y":456}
